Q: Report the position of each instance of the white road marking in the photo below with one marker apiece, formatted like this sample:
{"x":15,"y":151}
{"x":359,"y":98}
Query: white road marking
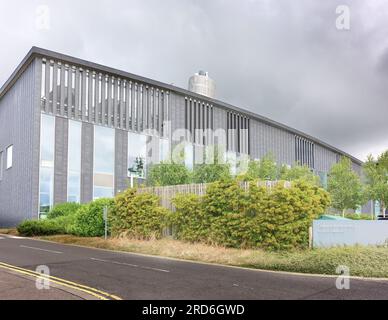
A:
{"x":15,"y":237}
{"x":40,"y":249}
{"x":130,"y":265}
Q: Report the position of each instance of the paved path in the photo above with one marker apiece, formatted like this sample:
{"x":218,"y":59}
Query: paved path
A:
{"x":132,"y":276}
{"x":14,"y":286}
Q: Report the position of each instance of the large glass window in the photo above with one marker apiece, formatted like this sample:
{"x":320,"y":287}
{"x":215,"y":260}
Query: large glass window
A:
{"x":46,"y":170}
{"x":104,"y":160}
{"x":164,"y":150}
{"x":9,"y":157}
{"x":74,"y":162}
{"x":137,"y":155}
{"x":189,"y":156}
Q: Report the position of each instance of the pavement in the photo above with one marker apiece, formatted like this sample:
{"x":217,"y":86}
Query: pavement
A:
{"x":116,"y":275}
{"x":14,"y":286}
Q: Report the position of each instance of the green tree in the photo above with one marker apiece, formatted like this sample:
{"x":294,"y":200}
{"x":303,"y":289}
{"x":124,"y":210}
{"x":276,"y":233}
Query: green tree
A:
{"x":168,"y":174}
{"x":344,"y":186}
{"x":376,"y":178}
{"x":298,"y":172}
{"x":207,"y":173}
{"x":263,"y":169}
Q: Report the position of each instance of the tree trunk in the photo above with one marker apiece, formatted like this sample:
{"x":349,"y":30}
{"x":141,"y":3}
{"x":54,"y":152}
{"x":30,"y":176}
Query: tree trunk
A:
{"x":343,"y":213}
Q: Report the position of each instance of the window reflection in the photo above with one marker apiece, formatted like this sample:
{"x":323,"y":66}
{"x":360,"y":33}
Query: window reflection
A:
{"x":189,"y":156}
{"x":46,"y":172}
{"x":164,"y":150}
{"x":74,"y":162}
{"x":104,"y":158}
{"x":137,"y":155}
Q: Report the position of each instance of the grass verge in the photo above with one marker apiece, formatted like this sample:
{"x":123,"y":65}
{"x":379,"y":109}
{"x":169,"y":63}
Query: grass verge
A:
{"x":12,"y":232}
{"x":362,"y":261}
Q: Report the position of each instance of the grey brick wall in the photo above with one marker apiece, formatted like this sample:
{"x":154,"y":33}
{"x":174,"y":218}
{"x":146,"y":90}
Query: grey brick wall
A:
{"x":18,"y":116}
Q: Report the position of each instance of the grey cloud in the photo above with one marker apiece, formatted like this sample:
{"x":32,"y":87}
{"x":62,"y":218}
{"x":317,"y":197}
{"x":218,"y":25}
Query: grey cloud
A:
{"x":282,"y":59}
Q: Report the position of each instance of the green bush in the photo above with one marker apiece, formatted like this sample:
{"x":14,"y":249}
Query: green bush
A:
{"x":32,"y":228}
{"x":63,"y":209}
{"x":277,"y":218}
{"x":207,"y":173}
{"x":285,"y":214}
{"x":138,"y":216}
{"x":89,"y":219}
{"x":189,"y":220}
{"x":168,"y":174}
{"x":67,"y":222}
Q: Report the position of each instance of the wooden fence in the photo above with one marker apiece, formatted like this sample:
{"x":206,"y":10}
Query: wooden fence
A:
{"x":166,"y":194}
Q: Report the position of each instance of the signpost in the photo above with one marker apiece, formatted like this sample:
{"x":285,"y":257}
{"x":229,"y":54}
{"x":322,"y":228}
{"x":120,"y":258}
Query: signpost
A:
{"x":106,"y":221}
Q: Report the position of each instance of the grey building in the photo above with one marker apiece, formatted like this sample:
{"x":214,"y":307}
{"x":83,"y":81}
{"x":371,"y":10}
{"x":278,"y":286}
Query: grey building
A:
{"x":70,"y":129}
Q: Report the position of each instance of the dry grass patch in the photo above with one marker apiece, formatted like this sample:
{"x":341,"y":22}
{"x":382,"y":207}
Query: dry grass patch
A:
{"x":362,"y":261}
{"x":12,"y":232}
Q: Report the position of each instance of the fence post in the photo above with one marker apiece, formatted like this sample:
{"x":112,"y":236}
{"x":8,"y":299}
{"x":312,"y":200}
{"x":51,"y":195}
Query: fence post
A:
{"x":311,"y":237}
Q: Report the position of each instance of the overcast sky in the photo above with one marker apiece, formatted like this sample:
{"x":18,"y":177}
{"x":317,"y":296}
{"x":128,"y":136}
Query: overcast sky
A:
{"x":286,"y":60}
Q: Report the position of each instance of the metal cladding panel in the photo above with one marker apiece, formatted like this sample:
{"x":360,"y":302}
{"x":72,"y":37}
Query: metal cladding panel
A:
{"x":18,"y":116}
{"x":265,"y":139}
{"x":87,"y":162}
{"x":121,"y":165}
{"x":219,"y":119}
{"x":61,"y":160}
{"x":177,"y":113}
{"x":324,"y":158}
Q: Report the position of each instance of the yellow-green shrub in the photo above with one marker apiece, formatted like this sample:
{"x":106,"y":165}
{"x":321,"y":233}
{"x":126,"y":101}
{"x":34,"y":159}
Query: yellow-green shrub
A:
{"x":277,"y":218}
{"x":190,"y":221}
{"x":138,"y":216}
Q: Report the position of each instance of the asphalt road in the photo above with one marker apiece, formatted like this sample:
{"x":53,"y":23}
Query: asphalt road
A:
{"x":137,"y":277}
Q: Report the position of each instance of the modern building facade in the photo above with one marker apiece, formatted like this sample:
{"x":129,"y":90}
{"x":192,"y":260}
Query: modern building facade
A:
{"x":73,"y":131}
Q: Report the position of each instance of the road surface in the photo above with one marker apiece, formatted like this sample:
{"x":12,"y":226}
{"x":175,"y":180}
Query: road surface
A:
{"x":138,"y":277}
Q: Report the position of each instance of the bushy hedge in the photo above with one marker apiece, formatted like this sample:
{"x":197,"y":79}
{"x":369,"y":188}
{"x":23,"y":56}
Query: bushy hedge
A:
{"x":189,"y":220}
{"x":32,"y":228}
{"x":138,"y":216}
{"x":63,"y":209}
{"x":229,"y":216}
{"x":89,"y":219}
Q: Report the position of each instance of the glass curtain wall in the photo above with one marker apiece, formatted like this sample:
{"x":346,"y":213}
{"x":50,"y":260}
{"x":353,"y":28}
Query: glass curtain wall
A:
{"x":137,"y":155}
{"x":74,"y":162}
{"x":104,"y":160}
{"x":46,"y":166}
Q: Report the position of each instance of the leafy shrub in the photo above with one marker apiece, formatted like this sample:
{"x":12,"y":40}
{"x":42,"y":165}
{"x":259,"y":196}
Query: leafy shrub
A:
{"x":67,"y":222}
{"x":63,"y":209}
{"x":32,"y":228}
{"x":277,"y":218}
{"x":264,"y":169}
{"x":168,"y":174}
{"x":190,"y":221}
{"x":299,"y":172}
{"x":138,"y":215}
{"x":89,"y":219}
{"x":285,"y":214}
{"x":207,"y":173}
